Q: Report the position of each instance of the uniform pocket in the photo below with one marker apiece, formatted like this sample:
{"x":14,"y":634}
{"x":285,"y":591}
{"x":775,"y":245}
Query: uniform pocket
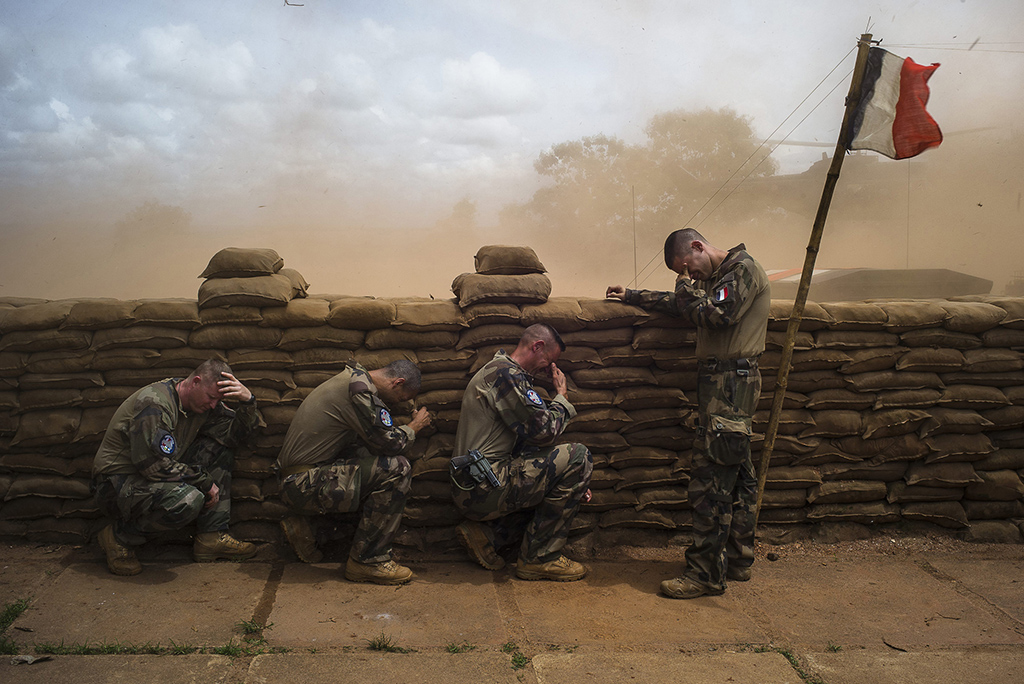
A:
{"x":728,"y":440}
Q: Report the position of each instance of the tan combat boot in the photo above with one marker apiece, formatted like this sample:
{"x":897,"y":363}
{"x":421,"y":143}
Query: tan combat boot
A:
{"x":479,"y":547}
{"x":389,"y":572}
{"x":211,"y":546}
{"x":299,"y":533}
{"x":686,"y":588}
{"x":561,"y":569}
{"x":121,"y":560}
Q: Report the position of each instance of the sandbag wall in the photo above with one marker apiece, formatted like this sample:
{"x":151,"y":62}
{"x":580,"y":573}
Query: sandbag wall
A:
{"x":895,"y":411}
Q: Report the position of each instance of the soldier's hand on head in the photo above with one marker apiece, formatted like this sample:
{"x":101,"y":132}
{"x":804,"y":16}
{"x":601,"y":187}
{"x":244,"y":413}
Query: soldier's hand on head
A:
{"x":558,"y":378}
{"x":212,"y":497}
{"x":615,"y":292}
{"x":231,"y":388}
{"x":420,"y":419}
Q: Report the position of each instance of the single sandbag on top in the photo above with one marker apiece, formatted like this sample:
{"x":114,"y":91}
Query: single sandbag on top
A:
{"x":507,"y":260}
{"x":243,"y":262}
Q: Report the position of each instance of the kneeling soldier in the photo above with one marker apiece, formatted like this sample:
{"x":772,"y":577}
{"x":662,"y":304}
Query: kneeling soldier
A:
{"x":343,"y":449}
{"x":165,"y":462}
{"x":506,"y":427}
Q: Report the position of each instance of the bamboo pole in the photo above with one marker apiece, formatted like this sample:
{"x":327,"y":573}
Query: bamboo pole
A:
{"x":852,"y":99}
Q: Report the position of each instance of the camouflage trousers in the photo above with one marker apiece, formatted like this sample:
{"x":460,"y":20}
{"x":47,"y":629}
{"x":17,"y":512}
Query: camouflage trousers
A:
{"x":549,"y":483}
{"x":723,"y":485}
{"x":142,"y":507}
{"x":380,"y":483}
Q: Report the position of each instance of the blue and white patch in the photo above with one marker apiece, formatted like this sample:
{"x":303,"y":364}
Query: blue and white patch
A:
{"x":167,"y":444}
{"x":722,"y":293}
{"x":385,"y":418}
{"x":534,"y":397}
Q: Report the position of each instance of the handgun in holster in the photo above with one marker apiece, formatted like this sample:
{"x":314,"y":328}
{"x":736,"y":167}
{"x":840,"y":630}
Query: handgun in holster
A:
{"x":472,"y":469}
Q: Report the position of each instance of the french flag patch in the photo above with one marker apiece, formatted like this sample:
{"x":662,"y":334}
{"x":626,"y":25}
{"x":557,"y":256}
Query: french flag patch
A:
{"x":722,"y":293}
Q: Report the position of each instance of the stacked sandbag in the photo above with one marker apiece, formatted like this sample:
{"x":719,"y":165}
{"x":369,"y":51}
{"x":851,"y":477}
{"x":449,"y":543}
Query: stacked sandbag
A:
{"x":239,"y":276}
{"x":890,"y":406}
{"x":894,"y":411}
{"x":504,"y":275}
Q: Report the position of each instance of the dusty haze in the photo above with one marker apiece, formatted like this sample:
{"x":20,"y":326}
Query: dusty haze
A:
{"x":136,"y":143}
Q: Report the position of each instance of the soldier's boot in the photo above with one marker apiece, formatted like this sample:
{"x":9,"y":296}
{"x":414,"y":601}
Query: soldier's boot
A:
{"x":737,"y":574}
{"x":479,"y":547}
{"x":299,"y":533}
{"x":121,"y":560}
{"x":686,"y":588}
{"x":561,"y":569}
{"x":211,"y":546}
{"x":388,"y":572}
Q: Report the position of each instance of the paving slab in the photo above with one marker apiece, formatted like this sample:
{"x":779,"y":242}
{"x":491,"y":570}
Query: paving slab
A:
{"x":26,"y":571}
{"x":388,"y":668}
{"x":445,"y":603}
{"x":679,"y":668}
{"x":618,"y":603}
{"x":111,"y":669}
{"x":869,"y":603}
{"x":1000,"y":665}
{"x":198,"y":604}
{"x":999,"y":581}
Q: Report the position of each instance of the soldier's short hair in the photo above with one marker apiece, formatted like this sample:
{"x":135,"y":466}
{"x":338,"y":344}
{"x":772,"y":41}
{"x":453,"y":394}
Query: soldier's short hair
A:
{"x":542,"y":331}
{"x":407,"y":371}
{"x":209,"y":371}
{"x":677,"y":244}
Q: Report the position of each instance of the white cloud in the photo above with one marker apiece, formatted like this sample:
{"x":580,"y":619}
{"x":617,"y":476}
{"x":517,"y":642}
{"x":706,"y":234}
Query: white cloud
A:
{"x":183,"y":59}
{"x":481,"y":87}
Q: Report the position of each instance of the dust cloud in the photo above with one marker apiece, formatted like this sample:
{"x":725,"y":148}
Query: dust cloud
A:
{"x":956,"y":207}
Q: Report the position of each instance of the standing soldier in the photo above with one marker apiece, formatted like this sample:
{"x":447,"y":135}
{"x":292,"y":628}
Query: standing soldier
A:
{"x":504,"y":437}
{"x":165,"y":462}
{"x":730,"y":310}
{"x":343,"y":448}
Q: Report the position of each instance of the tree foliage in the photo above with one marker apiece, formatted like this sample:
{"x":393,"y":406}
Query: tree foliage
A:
{"x":594,"y":181}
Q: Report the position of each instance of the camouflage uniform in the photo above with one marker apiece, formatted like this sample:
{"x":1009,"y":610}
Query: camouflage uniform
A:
{"x":342,"y":449}
{"x":506,"y":420}
{"x":731,"y":315}
{"x":157,"y":462}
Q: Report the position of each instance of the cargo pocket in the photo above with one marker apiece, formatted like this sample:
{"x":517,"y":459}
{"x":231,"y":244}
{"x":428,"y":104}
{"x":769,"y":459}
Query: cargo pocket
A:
{"x":728,"y":440}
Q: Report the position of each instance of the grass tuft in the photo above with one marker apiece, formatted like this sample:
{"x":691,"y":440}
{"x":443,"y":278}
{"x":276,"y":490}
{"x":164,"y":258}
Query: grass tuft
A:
{"x":386,"y":643}
{"x":464,"y":647}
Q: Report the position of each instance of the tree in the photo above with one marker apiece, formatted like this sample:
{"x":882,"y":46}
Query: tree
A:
{"x":686,"y":159}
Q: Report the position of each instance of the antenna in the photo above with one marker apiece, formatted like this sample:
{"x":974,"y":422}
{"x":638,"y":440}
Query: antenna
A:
{"x":632,"y":192}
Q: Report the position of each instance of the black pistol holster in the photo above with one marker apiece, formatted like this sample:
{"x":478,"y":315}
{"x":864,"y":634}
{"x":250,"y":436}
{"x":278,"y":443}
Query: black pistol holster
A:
{"x":471,"y":470}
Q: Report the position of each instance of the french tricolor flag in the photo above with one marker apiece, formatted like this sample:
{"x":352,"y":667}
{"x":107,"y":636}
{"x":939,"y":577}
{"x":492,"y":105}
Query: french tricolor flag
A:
{"x":891,"y":117}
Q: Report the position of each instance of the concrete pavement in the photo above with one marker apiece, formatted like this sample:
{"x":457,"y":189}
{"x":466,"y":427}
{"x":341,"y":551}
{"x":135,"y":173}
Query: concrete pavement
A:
{"x":813,"y":615}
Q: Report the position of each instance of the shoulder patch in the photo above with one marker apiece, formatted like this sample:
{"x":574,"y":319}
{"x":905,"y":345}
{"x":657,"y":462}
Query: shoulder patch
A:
{"x":534,"y":397}
{"x":385,"y":417}
{"x":723,"y":293}
{"x":167,"y":444}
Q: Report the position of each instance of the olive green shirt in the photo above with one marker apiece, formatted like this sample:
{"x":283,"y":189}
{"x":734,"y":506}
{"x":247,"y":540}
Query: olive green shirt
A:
{"x":150,"y":431}
{"x":730,"y":310}
{"x":340,"y":415}
{"x":502,"y":412}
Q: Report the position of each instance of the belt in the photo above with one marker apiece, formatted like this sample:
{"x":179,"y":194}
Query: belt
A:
{"x":724,"y":365}
{"x":294,"y":470}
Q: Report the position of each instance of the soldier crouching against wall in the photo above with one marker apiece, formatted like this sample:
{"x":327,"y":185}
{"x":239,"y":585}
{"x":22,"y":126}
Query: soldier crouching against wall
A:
{"x":165,"y":462}
{"x":503,"y":462}
{"x":343,"y":448}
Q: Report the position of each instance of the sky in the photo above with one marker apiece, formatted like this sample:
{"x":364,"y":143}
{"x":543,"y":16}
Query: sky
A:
{"x":136,"y":139}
